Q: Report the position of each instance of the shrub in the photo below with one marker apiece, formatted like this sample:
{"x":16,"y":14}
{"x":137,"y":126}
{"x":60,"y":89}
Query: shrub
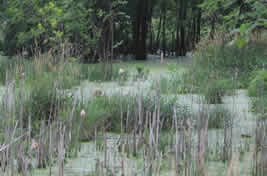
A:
{"x":258,"y":90}
{"x":141,"y":72}
{"x":227,"y":62}
{"x":97,"y":111}
{"x":179,"y":82}
{"x":259,"y":106}
{"x":44,"y":100}
{"x":258,"y":83}
{"x":219,"y":117}
{"x":213,"y":92}
{"x":175,"y":82}
{"x":164,"y":143}
{"x":106,"y":111}
{"x":228,"y":58}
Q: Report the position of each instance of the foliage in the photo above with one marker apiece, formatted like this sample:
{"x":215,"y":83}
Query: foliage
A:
{"x":238,"y":17}
{"x":87,"y":25}
{"x":258,"y":83}
{"x":162,"y":85}
{"x":219,"y":117}
{"x":164,"y":143}
{"x":42,"y":102}
{"x":5,"y":65}
{"x":106,"y":111}
{"x":46,"y":99}
{"x":219,"y":62}
{"x":44,"y":83}
{"x":44,"y":25}
{"x":216,"y":89}
{"x":142,"y":72}
{"x":39,"y":69}
{"x":177,"y":81}
{"x":97,"y":112}
{"x":258,"y":89}
{"x":93,"y":72}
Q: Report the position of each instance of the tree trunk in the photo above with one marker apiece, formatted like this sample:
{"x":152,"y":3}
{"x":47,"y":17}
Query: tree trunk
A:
{"x":177,"y":30}
{"x":151,"y":38}
{"x":164,"y":30}
{"x":181,"y":34}
{"x":182,"y":28}
{"x":151,"y":29}
{"x":141,"y":28}
{"x":198,"y":25}
{"x":159,"y":30}
{"x":212,"y":31}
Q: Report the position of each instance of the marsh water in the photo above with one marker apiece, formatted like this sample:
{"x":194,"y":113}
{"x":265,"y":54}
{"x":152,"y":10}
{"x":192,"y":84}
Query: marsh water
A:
{"x":88,"y":157}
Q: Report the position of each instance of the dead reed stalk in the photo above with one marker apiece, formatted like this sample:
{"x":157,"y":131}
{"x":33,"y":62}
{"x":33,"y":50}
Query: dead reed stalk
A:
{"x":202,"y":142}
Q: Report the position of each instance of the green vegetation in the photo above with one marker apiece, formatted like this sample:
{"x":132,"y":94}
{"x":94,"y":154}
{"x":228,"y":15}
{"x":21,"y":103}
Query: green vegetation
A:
{"x":108,"y":110}
{"x":94,"y":73}
{"x":258,"y":89}
{"x":218,"y":69}
{"x":214,"y":90}
{"x":219,"y":117}
{"x":258,"y":83}
{"x":142,"y":72}
{"x":71,"y":90}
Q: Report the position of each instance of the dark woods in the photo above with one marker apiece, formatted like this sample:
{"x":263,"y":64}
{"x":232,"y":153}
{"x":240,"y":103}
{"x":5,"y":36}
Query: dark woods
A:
{"x":104,"y":29}
{"x":100,"y":29}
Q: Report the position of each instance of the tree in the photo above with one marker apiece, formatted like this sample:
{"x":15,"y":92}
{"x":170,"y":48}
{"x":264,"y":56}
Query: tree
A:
{"x":140,"y":22}
{"x":237,"y":17}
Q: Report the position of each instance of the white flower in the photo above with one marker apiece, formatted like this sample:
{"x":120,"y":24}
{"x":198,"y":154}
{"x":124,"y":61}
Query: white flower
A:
{"x":121,"y":71}
{"x":82,"y":113}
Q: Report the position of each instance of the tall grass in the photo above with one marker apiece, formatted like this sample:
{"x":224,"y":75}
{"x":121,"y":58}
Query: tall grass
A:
{"x":155,"y":131}
{"x":94,"y":72}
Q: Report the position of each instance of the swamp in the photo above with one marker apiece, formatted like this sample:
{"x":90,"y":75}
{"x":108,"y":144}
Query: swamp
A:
{"x":133,"y":88}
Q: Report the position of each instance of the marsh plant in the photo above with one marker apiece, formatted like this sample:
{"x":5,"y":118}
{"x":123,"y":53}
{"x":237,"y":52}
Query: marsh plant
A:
{"x":141,"y":72}
{"x":215,"y":90}
{"x":94,"y":72}
{"x":163,"y":84}
{"x":219,"y":116}
{"x":258,"y":82}
{"x":258,"y":91}
{"x":123,"y":76}
{"x":109,"y":111}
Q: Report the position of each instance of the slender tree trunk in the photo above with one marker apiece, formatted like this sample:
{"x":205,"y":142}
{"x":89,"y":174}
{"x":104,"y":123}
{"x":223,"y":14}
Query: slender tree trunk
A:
{"x":173,"y":43}
{"x":164,"y":30}
{"x":151,"y":38}
{"x":141,"y":28}
{"x":212,"y":31}
{"x":198,"y":25}
{"x":151,"y":29}
{"x":194,"y":30}
{"x":159,"y":31}
{"x":182,"y":28}
{"x":177,"y":30}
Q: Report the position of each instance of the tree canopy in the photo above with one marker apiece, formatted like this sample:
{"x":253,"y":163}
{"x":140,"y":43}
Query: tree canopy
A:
{"x":102,"y":29}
